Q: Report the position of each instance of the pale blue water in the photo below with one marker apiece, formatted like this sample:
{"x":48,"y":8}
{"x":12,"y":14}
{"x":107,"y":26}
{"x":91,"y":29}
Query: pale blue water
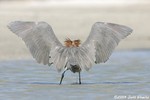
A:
{"x":125,"y":74}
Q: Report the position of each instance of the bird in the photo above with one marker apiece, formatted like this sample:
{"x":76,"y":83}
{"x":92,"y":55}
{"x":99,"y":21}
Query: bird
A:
{"x":73,"y":55}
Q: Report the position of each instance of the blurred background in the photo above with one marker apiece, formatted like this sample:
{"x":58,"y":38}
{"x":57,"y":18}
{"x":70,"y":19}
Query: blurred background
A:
{"x":73,"y":19}
{"x":126,"y":73}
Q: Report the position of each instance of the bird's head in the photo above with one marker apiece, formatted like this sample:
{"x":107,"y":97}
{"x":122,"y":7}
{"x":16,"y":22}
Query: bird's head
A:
{"x":68,"y":42}
{"x":76,"y":43}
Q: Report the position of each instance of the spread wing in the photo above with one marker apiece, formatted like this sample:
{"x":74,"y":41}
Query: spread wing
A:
{"x":103,"y":39}
{"x":39,"y":38}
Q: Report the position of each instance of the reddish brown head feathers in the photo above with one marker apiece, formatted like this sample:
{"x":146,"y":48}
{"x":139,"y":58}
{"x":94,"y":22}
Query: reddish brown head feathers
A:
{"x":69,"y":43}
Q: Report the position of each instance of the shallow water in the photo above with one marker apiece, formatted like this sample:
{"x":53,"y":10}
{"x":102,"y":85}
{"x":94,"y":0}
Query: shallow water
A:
{"x":126,"y":75}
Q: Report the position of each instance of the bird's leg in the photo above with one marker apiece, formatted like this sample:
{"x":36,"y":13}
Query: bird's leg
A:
{"x":62,"y":76}
{"x":79,"y":78}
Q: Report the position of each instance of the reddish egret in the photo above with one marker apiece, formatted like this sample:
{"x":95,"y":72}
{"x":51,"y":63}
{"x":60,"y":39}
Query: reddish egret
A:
{"x":47,"y":49}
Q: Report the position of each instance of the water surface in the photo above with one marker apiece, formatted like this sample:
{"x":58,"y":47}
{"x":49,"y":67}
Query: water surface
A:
{"x":125,"y":74}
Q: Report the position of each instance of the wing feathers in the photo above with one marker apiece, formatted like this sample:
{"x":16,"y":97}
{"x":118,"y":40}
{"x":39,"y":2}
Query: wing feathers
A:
{"x":39,"y":38}
{"x":105,"y":37}
{"x":42,"y":43}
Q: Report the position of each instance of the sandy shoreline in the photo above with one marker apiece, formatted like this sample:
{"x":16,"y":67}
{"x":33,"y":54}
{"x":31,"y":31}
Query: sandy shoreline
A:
{"x":74,"y":22}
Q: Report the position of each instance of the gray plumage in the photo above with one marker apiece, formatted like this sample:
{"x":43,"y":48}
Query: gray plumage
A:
{"x":46,"y":48}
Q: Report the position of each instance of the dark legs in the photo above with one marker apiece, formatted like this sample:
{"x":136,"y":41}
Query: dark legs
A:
{"x":62,"y":76}
{"x":79,"y":78}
